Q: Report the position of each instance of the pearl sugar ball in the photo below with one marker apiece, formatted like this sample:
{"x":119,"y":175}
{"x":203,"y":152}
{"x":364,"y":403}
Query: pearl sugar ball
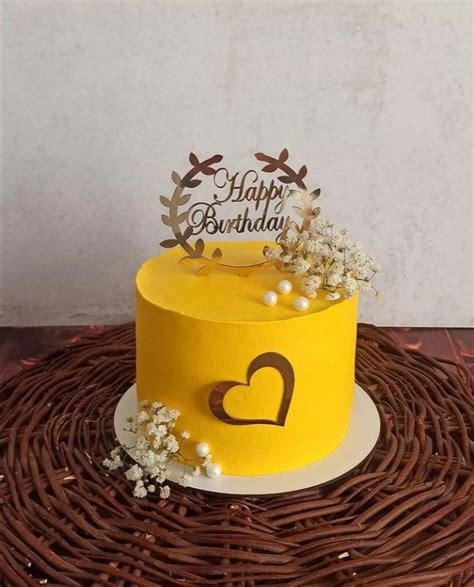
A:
{"x":201,"y":449}
{"x":284,"y":286}
{"x":301,"y":304}
{"x":213,"y":470}
{"x":270,"y":298}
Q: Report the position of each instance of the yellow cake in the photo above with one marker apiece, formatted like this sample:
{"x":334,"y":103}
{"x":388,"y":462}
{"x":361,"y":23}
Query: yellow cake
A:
{"x":269,"y":389}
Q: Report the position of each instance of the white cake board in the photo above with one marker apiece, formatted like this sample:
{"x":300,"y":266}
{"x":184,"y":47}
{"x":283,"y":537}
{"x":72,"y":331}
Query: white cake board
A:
{"x":359,"y":441}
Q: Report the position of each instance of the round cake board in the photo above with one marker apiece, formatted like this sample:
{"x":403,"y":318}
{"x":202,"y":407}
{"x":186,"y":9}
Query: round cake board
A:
{"x":360,"y":439}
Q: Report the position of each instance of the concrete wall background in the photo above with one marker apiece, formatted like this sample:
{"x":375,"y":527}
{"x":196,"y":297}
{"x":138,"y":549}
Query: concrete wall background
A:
{"x":101,"y":100}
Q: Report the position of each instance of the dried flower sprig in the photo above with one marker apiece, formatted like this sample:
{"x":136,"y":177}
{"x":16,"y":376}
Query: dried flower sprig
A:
{"x":324,"y":258}
{"x":155,"y":446}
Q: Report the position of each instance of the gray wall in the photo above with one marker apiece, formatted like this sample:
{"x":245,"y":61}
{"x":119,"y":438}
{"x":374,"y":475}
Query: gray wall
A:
{"x":102,"y":99}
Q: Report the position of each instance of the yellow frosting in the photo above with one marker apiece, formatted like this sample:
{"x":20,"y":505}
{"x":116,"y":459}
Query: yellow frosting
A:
{"x":194,"y":332}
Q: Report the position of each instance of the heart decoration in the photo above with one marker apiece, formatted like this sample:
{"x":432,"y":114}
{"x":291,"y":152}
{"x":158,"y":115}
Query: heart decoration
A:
{"x":275,"y":360}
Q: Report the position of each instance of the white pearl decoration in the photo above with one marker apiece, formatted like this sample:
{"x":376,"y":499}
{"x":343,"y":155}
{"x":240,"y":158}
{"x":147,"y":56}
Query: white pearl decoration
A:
{"x":213,"y":470}
{"x":270,"y":298}
{"x":201,"y":449}
{"x":284,"y":286}
{"x":301,"y":304}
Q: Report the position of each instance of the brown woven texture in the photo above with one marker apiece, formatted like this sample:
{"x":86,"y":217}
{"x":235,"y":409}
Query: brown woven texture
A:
{"x":402,"y":519}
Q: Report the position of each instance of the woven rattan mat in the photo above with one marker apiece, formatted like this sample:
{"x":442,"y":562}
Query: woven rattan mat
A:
{"x":402,"y":519}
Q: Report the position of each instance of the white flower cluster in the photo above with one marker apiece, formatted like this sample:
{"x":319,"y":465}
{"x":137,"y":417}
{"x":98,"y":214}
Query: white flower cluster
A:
{"x":155,"y":446}
{"x":324,"y":258}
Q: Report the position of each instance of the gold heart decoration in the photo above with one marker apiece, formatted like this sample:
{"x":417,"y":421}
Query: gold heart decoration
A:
{"x":284,"y":368}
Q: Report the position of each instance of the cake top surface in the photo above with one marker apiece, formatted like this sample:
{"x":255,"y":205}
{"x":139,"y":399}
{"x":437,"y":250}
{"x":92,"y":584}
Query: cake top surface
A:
{"x":219,"y":296}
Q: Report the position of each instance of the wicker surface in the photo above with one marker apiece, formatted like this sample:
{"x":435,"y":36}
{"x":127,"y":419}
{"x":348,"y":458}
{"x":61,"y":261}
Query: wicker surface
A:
{"x":403,"y":519}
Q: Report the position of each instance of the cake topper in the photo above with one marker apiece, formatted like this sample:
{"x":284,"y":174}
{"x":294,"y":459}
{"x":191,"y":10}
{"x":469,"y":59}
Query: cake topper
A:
{"x":323,"y":258}
{"x":265,"y":204}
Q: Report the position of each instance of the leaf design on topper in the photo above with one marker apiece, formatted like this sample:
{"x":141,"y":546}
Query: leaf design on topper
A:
{"x":183,"y":232}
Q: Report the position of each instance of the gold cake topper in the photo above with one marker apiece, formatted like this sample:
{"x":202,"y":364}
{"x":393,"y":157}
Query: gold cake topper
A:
{"x":238,"y":187}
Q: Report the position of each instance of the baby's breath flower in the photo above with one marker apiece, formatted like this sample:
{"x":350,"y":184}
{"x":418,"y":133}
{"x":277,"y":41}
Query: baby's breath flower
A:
{"x":157,"y":473}
{"x":113,"y":464}
{"x":310,"y":285}
{"x":134,"y":473}
{"x":162,"y":457}
{"x":334,"y":279}
{"x":309,"y":246}
{"x":374,"y":267}
{"x":161,"y":429}
{"x":350,"y":286}
{"x":140,"y":490}
{"x":300,"y":266}
{"x":155,"y":446}
{"x":165,"y":492}
{"x":171,"y":443}
{"x":156,"y":442}
{"x":319,"y":251}
{"x":337,"y":268}
{"x":143,"y":417}
{"x":149,"y":459}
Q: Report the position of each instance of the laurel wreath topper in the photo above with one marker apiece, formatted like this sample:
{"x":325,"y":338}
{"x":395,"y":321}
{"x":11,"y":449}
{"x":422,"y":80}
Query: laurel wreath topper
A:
{"x":195,"y":251}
